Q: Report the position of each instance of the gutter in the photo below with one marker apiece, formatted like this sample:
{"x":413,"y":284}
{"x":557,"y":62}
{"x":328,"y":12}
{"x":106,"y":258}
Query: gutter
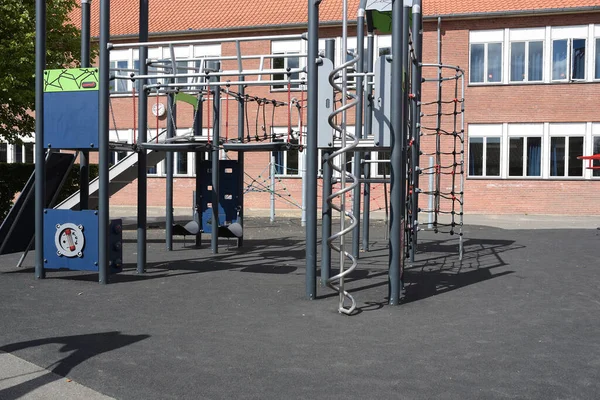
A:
{"x":515,"y":13}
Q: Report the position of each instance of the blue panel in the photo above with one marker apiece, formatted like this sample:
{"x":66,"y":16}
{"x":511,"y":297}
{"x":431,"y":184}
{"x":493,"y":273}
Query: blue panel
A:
{"x":229,"y":198}
{"x":88,"y":219}
{"x":71,"y":120}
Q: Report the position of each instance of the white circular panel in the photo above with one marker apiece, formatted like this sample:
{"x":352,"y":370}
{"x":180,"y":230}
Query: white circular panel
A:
{"x":69,"y":240}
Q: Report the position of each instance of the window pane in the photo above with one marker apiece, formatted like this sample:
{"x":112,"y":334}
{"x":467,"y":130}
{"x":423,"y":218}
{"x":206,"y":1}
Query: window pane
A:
{"x":294,"y":63}
{"x":515,"y":157}
{"x":534,"y":156}
{"x":476,"y":156}
{"x":559,"y":59}
{"x":494,"y":62}
{"x":557,"y":156}
{"x":578,"y":52}
{"x":536,"y":61}
{"x":182,"y":163}
{"x":492,"y":162}
{"x":383,"y":168}
{"x":596,"y":150}
{"x":575,"y":150}
{"x":136,"y":65}
{"x":517,"y":62}
{"x":597,"y":75}
{"x":18,"y":156}
{"x":293,"y":166}
{"x":477,"y":54}
{"x":121,"y":83}
{"x":28,"y":153}
{"x":278,"y":63}
{"x":3,"y":152}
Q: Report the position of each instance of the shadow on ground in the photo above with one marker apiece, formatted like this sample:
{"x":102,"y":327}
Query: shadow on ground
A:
{"x":79,"y":348}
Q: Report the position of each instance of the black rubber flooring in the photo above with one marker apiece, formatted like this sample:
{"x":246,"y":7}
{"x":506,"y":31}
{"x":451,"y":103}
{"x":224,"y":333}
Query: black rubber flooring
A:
{"x":519,"y":318}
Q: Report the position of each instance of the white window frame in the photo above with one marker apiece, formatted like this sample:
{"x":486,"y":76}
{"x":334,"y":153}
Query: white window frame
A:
{"x":569,"y":33}
{"x":486,"y":131}
{"x":525,"y":131}
{"x":594,"y":129}
{"x":288,"y":47}
{"x":595,"y":38}
{"x":282,"y":131}
{"x":486,"y":38}
{"x":566,"y":130}
{"x":526,"y":36}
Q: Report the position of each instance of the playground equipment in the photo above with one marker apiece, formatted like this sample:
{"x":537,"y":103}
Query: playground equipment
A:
{"x":388,"y":93}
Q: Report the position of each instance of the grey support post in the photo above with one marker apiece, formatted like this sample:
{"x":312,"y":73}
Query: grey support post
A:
{"x":358,"y":125}
{"x":169,"y":160}
{"x":214,"y":240}
{"x":397,"y":159}
{"x":142,"y":195}
{"x":198,"y":167}
{"x":405,"y":129}
{"x":368,"y":106}
{"x":241,"y":116}
{"x":104,"y":150}
{"x":417,"y":42}
{"x":311,"y":148}
{"x":84,"y":160}
{"x":327,"y":182}
{"x":40,"y":165}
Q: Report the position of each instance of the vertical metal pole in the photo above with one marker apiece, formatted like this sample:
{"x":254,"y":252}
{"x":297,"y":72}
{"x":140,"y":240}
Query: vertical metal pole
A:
{"x":272,"y":169}
{"x":142,"y":191}
{"x":398,"y":131}
{"x":368,"y":105}
{"x":169,"y":160}
{"x":358,"y":128}
{"x":311,"y":148}
{"x":327,"y":182}
{"x":40,"y":165}
{"x":438,"y":158}
{"x":406,"y":132}
{"x":214,"y":240}
{"x":241,"y":110}
{"x":198,"y":167}
{"x":84,"y":161}
{"x":417,"y":41}
{"x":431,"y":195}
{"x":104,"y":150}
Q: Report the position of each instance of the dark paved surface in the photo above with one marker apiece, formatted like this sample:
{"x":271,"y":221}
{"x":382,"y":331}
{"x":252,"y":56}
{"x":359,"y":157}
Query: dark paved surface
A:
{"x":518,"y":319}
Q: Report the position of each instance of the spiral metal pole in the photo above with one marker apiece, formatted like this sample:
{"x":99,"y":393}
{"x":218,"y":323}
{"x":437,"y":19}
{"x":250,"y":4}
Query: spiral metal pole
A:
{"x":348,"y":181}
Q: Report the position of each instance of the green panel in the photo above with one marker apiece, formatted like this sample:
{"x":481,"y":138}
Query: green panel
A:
{"x":382,"y":20}
{"x":71,"y":80}
{"x":187,"y":98}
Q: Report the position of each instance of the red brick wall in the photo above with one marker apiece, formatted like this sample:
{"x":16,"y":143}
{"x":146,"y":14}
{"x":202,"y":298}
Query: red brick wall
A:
{"x":484,"y":104}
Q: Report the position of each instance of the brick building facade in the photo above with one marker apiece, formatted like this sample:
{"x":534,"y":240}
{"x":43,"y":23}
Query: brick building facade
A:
{"x":532,"y":96}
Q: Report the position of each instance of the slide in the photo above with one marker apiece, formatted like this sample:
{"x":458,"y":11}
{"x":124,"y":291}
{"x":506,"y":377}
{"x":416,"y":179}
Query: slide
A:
{"x":18,"y":229}
{"x":120,"y":175}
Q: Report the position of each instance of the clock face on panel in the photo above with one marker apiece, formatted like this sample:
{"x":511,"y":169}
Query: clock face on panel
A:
{"x":158,"y":109}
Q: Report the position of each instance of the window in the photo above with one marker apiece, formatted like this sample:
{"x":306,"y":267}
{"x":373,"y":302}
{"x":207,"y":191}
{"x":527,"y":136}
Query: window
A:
{"x":287,"y":50}
{"x":596,"y":150}
{"x":382,"y":168}
{"x":484,"y":150}
{"x":181,"y":163}
{"x":568,"y":59}
{"x":3,"y":152}
{"x":597,"y":65}
{"x":563,"y":156}
{"x":486,"y":57}
{"x":288,"y":162}
{"x":118,"y":85}
{"x":525,"y":156}
{"x":116,"y":156}
{"x":527,"y":61}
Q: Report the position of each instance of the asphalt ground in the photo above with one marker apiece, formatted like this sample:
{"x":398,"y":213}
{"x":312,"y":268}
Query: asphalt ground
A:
{"x":518,"y":318}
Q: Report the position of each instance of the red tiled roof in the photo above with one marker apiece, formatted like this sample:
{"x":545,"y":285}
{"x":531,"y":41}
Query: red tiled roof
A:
{"x":196,"y":16}
{"x":461,"y":7}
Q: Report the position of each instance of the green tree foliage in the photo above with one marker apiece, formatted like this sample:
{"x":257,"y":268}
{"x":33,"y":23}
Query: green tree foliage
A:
{"x":17,"y":58}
